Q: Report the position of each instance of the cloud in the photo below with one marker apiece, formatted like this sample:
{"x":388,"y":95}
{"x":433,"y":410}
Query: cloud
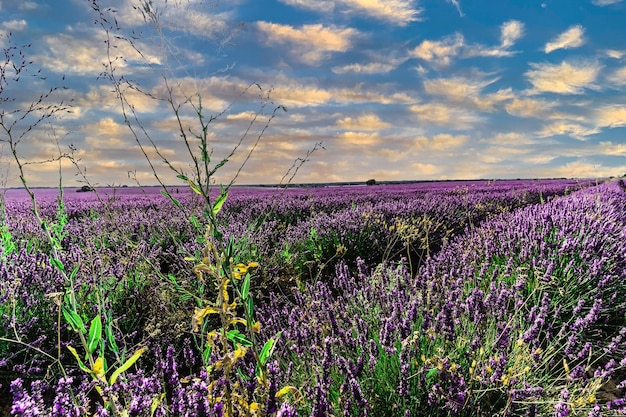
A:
{"x":574,"y":130}
{"x":298,"y":93}
{"x":193,"y":17}
{"x":312,"y":43}
{"x":444,"y":115}
{"x":581,"y":169}
{"x":511,"y":32}
{"x":457,"y":4}
{"x":564,"y":78}
{"x":439,"y":52}
{"x":380,"y":65}
{"x":365,"y":122}
{"x":603,"y":3}
{"x":571,"y":38}
{"x":613,"y":149}
{"x":28,"y":5}
{"x":529,"y":108}
{"x":83,"y":54}
{"x":615,"y":54}
{"x":618,"y":77}
{"x":442,"y":52}
{"x":359,"y":138}
{"x":456,"y":88}
{"x":440,"y":142}
{"x":13,"y":25}
{"x":400,"y":12}
{"x":611,"y":116}
{"x":465,"y":90}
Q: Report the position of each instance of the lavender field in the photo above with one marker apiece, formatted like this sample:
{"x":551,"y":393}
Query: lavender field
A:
{"x":430,"y":299}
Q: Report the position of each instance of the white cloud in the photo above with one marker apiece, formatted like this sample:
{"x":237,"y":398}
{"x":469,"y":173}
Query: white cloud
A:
{"x":511,"y":32}
{"x":83,"y":54}
{"x":311,"y":43}
{"x":439,"y":52}
{"x":324,"y":6}
{"x":574,"y":130}
{"x":571,"y":38}
{"x":440,"y":142}
{"x":28,"y":5}
{"x":613,"y":149}
{"x":193,"y":17}
{"x":529,"y":108}
{"x":400,"y":12}
{"x":369,"y":68}
{"x":365,"y":122}
{"x":444,"y":115}
{"x":602,"y":3}
{"x":469,"y":91}
{"x":618,"y":77}
{"x":457,"y":4}
{"x":14,"y":25}
{"x":615,"y":54}
{"x":564,"y":78}
{"x":359,"y":138}
{"x":611,"y":116}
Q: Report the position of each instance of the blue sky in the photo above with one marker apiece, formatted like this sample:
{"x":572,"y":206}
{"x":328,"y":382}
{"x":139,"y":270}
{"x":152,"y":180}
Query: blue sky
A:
{"x":394,"y":89}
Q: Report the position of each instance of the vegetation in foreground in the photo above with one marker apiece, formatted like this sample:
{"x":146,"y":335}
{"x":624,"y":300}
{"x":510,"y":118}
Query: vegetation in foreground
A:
{"x":515,"y":304}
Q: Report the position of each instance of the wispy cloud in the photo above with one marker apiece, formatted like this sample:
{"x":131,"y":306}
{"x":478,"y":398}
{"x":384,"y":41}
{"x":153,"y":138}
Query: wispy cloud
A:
{"x":603,"y":3}
{"x":441,"y":114}
{"x":14,"y":25}
{"x":571,"y":38}
{"x":442,"y":52}
{"x":610,"y":148}
{"x":367,"y":68}
{"x":574,"y":130}
{"x":511,"y":32}
{"x":523,"y":107}
{"x":457,"y":4}
{"x":564,"y":78}
{"x":439,"y":52}
{"x":618,"y":77}
{"x":399,"y":12}
{"x":311,"y":43}
{"x":440,"y":142}
{"x":611,"y":116}
{"x":363,"y":122}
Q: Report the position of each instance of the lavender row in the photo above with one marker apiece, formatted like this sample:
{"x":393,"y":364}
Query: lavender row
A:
{"x":524,"y":315}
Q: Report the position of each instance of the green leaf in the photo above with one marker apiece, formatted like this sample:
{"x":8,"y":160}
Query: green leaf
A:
{"x":237,"y":337}
{"x":129,"y":362}
{"x":432,"y":375}
{"x":194,"y":187}
{"x":206,"y":353}
{"x":194,"y":221}
{"x":108,"y":331}
{"x":266,"y":351}
{"x":73,"y":319}
{"x":182,"y":177}
{"x":74,"y":271}
{"x":219,"y":201}
{"x":95,"y":334}
{"x":80,"y":362}
{"x":172,"y":199}
{"x":245,"y":287}
{"x":57,"y":264}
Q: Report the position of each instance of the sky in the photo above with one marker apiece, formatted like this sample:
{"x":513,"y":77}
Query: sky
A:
{"x":383,"y":89}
